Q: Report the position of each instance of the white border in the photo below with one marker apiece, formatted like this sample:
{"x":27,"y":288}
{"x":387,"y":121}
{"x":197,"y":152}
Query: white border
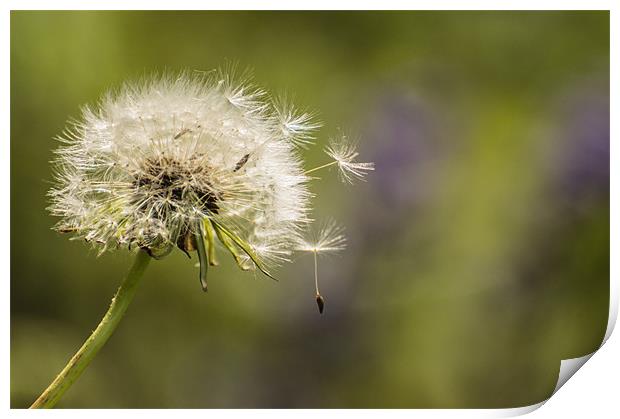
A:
{"x":594,"y":392}
{"x":311,"y":5}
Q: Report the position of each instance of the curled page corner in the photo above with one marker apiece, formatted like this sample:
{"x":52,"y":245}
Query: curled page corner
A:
{"x":568,"y":367}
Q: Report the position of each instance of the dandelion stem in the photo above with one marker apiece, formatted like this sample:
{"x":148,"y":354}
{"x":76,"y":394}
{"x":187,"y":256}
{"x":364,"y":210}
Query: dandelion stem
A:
{"x":90,"y":348}
{"x":321,"y":167}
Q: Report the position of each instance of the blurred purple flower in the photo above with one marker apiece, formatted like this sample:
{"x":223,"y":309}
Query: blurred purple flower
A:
{"x":584,"y":168}
{"x":400,"y":139}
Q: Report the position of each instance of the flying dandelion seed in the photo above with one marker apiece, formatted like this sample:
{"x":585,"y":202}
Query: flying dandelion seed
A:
{"x":329,"y":239}
{"x":344,"y":154}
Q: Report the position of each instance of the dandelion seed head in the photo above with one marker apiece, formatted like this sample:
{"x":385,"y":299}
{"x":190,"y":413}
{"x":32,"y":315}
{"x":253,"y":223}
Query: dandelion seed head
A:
{"x":344,"y":153}
{"x":140,"y":167}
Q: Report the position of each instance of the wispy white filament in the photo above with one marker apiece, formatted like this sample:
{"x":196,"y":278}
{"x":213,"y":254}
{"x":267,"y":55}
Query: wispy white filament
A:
{"x":329,"y":238}
{"x":344,"y":154}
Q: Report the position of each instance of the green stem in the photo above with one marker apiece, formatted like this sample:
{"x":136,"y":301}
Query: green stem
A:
{"x":98,"y":338}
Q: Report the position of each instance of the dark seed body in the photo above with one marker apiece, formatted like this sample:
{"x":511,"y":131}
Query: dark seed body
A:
{"x":320,"y":303}
{"x":241,"y":162}
{"x":182,"y":133}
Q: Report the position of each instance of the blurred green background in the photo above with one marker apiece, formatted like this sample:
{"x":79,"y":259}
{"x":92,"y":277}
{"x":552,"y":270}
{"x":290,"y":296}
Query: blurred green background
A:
{"x":478,"y":251}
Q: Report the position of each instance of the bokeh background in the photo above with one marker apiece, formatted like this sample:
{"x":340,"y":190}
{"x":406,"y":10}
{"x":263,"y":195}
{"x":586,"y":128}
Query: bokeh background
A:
{"x":478,"y":251}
